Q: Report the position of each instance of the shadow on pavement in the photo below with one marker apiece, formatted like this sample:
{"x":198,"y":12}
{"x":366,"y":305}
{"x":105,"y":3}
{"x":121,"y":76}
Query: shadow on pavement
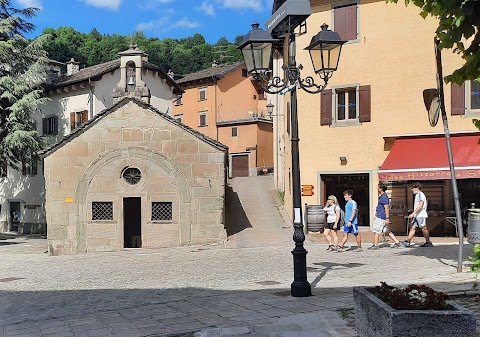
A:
{"x":449,"y":251}
{"x":329,"y":266}
{"x":8,"y":243}
{"x":235,"y":218}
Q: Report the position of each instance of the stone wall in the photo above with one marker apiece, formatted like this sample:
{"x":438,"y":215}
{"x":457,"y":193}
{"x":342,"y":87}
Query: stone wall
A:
{"x":176,"y":165}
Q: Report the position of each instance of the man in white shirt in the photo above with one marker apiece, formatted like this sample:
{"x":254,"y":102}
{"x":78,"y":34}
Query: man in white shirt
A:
{"x":418,"y":217}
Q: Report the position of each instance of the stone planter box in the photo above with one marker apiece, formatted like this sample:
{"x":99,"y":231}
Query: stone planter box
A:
{"x":374,"y":318}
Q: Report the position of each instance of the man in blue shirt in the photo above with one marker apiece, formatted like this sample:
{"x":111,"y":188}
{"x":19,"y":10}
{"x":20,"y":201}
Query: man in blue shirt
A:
{"x":351,"y":221}
{"x":381,"y":220}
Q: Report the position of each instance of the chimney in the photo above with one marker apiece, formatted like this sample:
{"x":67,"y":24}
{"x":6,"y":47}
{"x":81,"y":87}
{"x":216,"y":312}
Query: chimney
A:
{"x":214,"y":63}
{"x":170,"y":73}
{"x":72,"y":67}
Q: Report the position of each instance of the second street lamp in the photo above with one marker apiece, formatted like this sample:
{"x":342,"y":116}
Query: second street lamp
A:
{"x":257,"y":49}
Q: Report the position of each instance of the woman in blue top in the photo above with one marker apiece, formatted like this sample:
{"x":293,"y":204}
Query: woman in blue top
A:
{"x":351,"y":222}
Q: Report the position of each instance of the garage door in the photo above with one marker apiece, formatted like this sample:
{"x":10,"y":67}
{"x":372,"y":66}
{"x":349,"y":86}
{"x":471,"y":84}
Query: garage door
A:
{"x":240,"y":166}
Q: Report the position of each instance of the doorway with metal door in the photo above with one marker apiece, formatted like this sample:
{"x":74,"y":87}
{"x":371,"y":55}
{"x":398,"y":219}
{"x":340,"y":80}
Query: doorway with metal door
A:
{"x":14,"y":216}
{"x":336,"y":184}
{"x":132,"y":222}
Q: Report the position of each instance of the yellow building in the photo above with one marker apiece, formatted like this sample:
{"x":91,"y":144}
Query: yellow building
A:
{"x":373,"y":108}
{"x":225,"y":104}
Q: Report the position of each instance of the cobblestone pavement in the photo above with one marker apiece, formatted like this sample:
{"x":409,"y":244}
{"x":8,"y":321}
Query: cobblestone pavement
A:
{"x":214,"y":290}
{"x":175,"y":290}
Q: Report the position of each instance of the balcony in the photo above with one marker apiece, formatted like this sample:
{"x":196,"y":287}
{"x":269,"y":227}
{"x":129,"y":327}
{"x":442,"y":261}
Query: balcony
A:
{"x":243,"y":116}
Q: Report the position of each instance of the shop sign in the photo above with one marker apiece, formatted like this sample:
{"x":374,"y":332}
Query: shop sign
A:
{"x":429,"y":175}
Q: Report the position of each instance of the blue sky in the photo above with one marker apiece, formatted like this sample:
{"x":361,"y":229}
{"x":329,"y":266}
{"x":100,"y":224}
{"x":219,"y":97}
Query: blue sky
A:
{"x":156,"y":18}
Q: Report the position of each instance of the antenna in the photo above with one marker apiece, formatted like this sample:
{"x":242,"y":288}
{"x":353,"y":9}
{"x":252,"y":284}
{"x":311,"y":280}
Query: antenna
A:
{"x":223,"y":51}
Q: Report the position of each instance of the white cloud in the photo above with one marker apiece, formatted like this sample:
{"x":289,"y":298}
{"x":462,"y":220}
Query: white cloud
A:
{"x":242,"y":4}
{"x":207,"y":8}
{"x":185,"y":23}
{"x":31,"y":3}
{"x":153,"y":25}
{"x":107,"y":4}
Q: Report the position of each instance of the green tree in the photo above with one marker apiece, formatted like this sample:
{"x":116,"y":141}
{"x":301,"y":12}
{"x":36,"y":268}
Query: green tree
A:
{"x":458,"y":28}
{"x":21,"y":71}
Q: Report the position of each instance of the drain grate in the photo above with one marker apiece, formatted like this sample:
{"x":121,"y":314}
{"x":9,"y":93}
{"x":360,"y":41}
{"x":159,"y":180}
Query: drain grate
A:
{"x":268,"y":283}
{"x":10,"y":279}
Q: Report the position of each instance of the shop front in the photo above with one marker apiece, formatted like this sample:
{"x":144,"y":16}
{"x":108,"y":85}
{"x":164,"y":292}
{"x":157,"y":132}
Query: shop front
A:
{"x":359,"y":183}
{"x":424,"y":159}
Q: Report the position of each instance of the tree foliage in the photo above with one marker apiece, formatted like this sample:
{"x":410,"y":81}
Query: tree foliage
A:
{"x":22,"y":64}
{"x":182,"y":56}
{"x":458,"y":28}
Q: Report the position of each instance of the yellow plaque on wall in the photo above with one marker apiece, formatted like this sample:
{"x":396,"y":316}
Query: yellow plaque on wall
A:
{"x":68,"y":199}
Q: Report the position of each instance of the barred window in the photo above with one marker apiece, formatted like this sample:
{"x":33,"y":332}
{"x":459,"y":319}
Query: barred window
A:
{"x":102,"y":210}
{"x":162,"y":211}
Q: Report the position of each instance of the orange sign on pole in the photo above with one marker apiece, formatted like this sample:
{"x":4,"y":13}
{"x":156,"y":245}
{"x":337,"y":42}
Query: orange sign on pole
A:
{"x":307,"y":190}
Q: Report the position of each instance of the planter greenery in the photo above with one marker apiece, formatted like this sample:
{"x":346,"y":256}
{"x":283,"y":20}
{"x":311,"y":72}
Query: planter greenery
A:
{"x":415,"y":311}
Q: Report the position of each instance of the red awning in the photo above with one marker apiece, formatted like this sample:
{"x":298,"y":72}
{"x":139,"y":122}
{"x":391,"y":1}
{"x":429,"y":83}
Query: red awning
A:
{"x":427,"y":159}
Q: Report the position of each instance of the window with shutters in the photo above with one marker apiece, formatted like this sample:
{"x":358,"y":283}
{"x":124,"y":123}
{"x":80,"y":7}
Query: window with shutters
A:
{"x":29,"y":168}
{"x":244,"y":73}
{"x":345,"y":105}
{"x":234,"y":131}
{"x":465,"y":99}
{"x":50,"y":125}
{"x":102,"y":210}
{"x":202,"y":94}
{"x":202,"y":118}
{"x":473,"y":97}
{"x":345,"y":20}
{"x":78,"y":118}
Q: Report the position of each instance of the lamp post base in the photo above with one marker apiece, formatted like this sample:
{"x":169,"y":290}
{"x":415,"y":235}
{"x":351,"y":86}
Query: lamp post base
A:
{"x":301,"y":289}
{"x":300,"y":286}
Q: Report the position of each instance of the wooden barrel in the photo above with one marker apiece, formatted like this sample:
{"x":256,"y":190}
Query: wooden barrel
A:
{"x":315,"y":218}
{"x":473,"y":228}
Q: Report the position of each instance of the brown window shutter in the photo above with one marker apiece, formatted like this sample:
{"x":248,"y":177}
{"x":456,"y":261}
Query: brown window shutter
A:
{"x":72,"y":121}
{"x":326,"y":107}
{"x":351,"y":22}
{"x":55,"y":125}
{"x":45,"y":125}
{"x":339,"y":17}
{"x":85,"y":116}
{"x":365,"y":109}
{"x":458,"y":99}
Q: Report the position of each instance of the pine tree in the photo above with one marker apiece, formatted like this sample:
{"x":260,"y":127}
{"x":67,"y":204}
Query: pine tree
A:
{"x":22,"y":69}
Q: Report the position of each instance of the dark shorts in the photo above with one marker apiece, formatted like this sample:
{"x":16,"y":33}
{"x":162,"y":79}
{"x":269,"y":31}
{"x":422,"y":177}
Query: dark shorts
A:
{"x":330,"y":226}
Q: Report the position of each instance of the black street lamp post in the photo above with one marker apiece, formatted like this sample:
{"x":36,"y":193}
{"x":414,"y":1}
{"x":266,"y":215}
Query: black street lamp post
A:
{"x":257,"y":49}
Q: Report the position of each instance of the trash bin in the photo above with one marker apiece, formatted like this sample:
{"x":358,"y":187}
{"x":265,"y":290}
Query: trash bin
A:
{"x":473,"y":226}
{"x":315,"y":218}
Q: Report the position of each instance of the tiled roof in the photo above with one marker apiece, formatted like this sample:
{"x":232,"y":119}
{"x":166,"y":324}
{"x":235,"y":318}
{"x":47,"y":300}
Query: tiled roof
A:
{"x":97,"y":71}
{"x":79,"y":130}
{"x":218,"y":71}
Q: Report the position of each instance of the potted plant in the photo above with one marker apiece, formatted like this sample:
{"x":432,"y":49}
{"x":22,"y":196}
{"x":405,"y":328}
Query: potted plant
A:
{"x":417,"y":310}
